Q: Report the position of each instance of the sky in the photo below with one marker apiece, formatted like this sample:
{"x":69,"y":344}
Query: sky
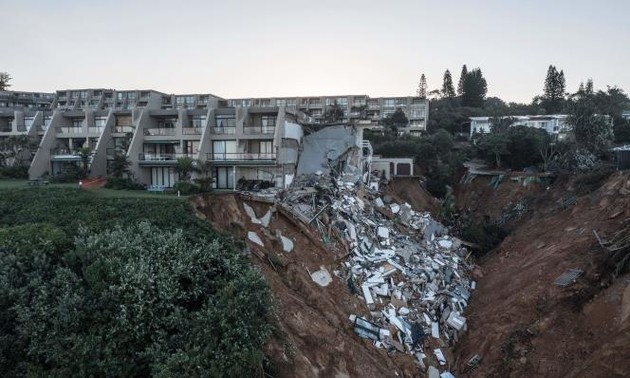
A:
{"x":269,"y":48}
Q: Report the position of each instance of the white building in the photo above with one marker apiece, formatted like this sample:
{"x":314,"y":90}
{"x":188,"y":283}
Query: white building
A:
{"x":555,"y":124}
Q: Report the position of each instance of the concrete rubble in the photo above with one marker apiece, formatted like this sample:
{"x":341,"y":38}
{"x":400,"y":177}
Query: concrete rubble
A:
{"x":413,"y":276}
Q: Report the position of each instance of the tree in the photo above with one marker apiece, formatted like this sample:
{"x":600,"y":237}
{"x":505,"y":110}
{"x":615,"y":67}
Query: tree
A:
{"x":554,"y":91}
{"x":462,"y":78}
{"x":333,"y":113}
{"x":447,"y":86}
{"x":85,"y":153}
{"x":592,"y":127}
{"x":474,"y":89}
{"x":396,"y":120}
{"x":422,"y":87}
{"x":185,"y":166}
{"x":495,"y":145}
{"x":4,"y":81}
{"x":501,"y":124}
{"x":120,"y":165}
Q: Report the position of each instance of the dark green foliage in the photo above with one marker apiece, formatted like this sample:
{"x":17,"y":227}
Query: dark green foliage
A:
{"x":515,"y":147}
{"x":396,"y":120}
{"x":15,"y":172}
{"x":487,"y":235}
{"x":447,"y":85}
{"x":590,"y":181}
{"x":5,"y":78}
{"x":130,"y":300}
{"x":333,"y":113}
{"x":621,"y":129}
{"x":554,"y":95}
{"x":120,"y":165}
{"x":474,"y":89}
{"x":68,"y":208}
{"x":119,"y":183}
{"x":460,"y":83}
{"x":186,"y":188}
{"x":422,"y":87}
{"x":70,"y":173}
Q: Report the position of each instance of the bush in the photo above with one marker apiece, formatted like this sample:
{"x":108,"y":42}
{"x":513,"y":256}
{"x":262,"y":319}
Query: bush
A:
{"x":588,"y":182}
{"x":140,"y":301}
{"x":186,"y":188}
{"x":119,"y":183}
{"x":71,"y":173}
{"x":15,"y":172}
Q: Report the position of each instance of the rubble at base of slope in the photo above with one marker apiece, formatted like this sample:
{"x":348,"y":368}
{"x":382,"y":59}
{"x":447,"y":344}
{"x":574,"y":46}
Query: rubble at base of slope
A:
{"x":413,"y":276}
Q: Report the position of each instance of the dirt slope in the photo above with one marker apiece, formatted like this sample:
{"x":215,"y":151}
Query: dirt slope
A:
{"x":316,"y":337}
{"x":525,"y":326}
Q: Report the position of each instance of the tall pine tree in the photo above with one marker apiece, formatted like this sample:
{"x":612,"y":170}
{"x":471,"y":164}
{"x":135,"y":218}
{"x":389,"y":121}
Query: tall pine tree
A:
{"x":462,"y":77}
{"x":474,"y":89}
{"x":447,"y":85}
{"x":422,"y":87}
{"x":553,"y":92}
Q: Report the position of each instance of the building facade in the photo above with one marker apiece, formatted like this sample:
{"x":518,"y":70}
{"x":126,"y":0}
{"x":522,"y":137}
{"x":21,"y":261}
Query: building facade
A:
{"x":245,"y":140}
{"x":555,"y":124}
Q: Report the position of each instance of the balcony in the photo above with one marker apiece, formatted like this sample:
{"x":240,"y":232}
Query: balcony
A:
{"x":159,"y":131}
{"x":241,"y":157}
{"x":153,"y":158}
{"x":224,"y":130}
{"x":254,"y":130}
{"x":65,"y":154}
{"x":123,"y":129}
{"x":192,"y":130}
{"x":95,"y":130}
{"x":68,"y":130}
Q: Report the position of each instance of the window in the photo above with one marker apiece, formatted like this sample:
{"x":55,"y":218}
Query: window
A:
{"x":225,"y":120}
{"x":198,"y":121}
{"x":223,"y":149}
{"x":100,"y":121}
{"x":268,"y":122}
{"x":281,"y":102}
{"x":77,"y":122}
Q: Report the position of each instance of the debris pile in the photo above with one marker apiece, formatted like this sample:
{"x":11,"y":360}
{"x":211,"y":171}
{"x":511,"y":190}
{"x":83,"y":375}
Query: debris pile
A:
{"x":413,"y":276}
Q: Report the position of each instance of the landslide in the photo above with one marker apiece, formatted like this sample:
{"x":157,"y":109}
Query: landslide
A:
{"x":314,"y":336}
{"x":519,"y":322}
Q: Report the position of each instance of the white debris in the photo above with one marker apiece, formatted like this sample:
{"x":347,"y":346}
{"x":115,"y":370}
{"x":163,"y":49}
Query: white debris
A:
{"x":440,"y":356}
{"x":433,"y":372}
{"x":456,"y":321}
{"x":395,"y":208}
{"x":447,"y":244}
{"x":250,"y":212}
{"x":435,"y":330}
{"x":322,"y":277}
{"x":287,"y":244}
{"x":252,"y":236}
{"x":266,"y":219}
{"x":383,"y":232}
{"x":447,"y":374}
{"x":378,"y":202}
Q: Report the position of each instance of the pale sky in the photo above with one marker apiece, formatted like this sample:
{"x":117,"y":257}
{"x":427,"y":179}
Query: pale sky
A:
{"x":266,"y":48}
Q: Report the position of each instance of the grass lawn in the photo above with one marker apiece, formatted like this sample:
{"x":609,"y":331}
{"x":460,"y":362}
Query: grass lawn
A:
{"x":101,"y":192}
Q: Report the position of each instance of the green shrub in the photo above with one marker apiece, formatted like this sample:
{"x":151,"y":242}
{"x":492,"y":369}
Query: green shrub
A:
{"x":119,"y":183}
{"x":588,"y":182}
{"x":186,"y":188}
{"x":15,"y":172}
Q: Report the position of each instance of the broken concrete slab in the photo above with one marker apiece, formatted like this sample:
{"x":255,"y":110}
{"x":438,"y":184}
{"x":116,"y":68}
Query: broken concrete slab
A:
{"x":250,"y":212}
{"x":440,"y":356}
{"x":266,"y":219}
{"x":287,"y":244}
{"x":432,"y":372}
{"x":456,"y":321}
{"x":322,"y":277}
{"x":253,"y":237}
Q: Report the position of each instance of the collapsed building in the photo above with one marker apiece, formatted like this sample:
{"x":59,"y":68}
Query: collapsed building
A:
{"x":413,"y":277}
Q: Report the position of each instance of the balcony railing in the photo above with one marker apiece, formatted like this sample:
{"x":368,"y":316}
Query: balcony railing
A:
{"x":224,"y":130}
{"x":96,"y":130}
{"x":258,"y":130}
{"x":159,"y":132}
{"x":192,"y":130}
{"x":64,"y":152}
{"x":123,"y":129}
{"x":68,"y":130}
{"x":240,"y":156}
{"x":150,"y":156}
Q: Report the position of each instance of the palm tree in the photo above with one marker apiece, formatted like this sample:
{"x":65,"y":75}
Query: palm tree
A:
{"x":85,"y":153}
{"x":185,"y":167}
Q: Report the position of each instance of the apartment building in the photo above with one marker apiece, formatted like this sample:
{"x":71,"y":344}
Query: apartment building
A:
{"x":355,"y":107}
{"x":243,"y":139}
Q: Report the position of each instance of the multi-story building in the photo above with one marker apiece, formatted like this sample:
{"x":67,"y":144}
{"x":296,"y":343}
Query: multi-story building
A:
{"x":355,"y":107}
{"x":25,"y":100}
{"x":555,"y":124}
{"x":243,"y":139}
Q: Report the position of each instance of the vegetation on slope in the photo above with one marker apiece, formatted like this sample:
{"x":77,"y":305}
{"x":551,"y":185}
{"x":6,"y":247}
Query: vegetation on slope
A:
{"x":99,"y":286}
